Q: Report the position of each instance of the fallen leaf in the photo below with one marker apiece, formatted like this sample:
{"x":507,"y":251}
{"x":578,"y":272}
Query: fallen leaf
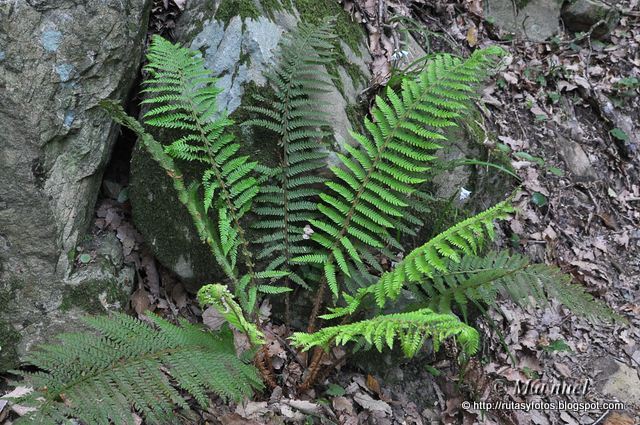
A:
{"x":212,"y":319}
{"x":373,"y":384}
{"x":368,"y":403}
{"x":140,"y":301}
{"x":472,"y":36}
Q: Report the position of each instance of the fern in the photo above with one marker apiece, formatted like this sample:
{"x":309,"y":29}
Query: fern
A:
{"x":480,"y":279}
{"x":188,"y":196}
{"x":410,"y":329}
{"x":222,"y":300}
{"x":129,"y":365}
{"x":183,"y":95}
{"x":466,"y":237}
{"x":373,"y":182}
{"x":299,"y":120}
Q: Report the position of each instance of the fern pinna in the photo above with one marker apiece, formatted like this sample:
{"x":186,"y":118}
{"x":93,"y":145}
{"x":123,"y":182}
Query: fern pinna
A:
{"x":300,"y":121}
{"x":131,"y":366}
{"x":374,"y":180}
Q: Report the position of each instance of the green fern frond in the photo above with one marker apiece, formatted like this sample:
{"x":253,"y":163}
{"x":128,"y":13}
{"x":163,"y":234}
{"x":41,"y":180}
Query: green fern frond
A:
{"x":480,"y":279}
{"x":284,"y":205}
{"x":409,"y":329}
{"x":188,"y":195}
{"x":131,"y":366}
{"x":465,"y":238}
{"x":372,"y":184}
{"x":183,"y":96}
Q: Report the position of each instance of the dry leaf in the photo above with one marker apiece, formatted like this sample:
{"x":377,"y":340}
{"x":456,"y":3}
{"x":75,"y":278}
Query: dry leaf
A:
{"x":472,"y":36}
{"x":373,"y":384}
{"x":140,"y":301}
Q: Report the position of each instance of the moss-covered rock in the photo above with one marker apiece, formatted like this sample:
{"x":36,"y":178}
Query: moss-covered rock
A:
{"x":63,"y":56}
{"x":102,"y":285}
{"x":238,"y":40}
{"x":9,"y":339}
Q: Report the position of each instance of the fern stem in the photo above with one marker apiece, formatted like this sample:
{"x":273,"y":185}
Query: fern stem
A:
{"x":155,"y":149}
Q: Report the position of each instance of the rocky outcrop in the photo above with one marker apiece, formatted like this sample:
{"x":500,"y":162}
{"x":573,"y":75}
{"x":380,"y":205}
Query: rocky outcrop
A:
{"x":590,"y":15}
{"x":535,"y":20}
{"x":238,"y":40}
{"x":58,"y":59}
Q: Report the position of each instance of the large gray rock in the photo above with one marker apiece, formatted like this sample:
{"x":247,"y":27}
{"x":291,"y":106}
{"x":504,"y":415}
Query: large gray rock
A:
{"x":535,"y":20}
{"x":582,"y":15}
{"x":58,"y":59}
{"x":238,"y":44}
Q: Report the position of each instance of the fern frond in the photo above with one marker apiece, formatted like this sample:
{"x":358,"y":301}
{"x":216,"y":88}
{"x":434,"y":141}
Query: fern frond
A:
{"x":480,"y":279}
{"x":368,"y":194}
{"x":300,"y":122}
{"x":183,"y":96}
{"x":188,"y":196}
{"x":464,"y":238}
{"x":130,"y":366}
{"x":409,"y":329}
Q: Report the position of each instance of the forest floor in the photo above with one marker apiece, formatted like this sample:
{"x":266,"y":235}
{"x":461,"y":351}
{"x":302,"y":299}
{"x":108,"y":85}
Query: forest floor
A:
{"x":565,"y":114}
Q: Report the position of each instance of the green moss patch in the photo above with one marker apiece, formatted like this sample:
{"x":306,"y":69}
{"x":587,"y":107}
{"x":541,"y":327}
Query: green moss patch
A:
{"x":86,"y":296}
{"x":230,"y":8}
{"x":9,"y":339}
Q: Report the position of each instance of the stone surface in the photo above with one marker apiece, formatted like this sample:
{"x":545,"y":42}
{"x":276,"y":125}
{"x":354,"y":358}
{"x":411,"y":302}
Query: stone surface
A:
{"x":618,"y":380}
{"x":581,"y":15}
{"x":238,"y":47}
{"x":576,"y":159}
{"x":58,"y":59}
{"x":536,"y":20}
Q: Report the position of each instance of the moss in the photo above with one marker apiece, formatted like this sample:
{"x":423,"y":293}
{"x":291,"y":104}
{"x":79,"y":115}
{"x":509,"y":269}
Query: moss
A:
{"x":316,"y":11}
{"x":86,"y":296}
{"x":9,"y":339}
{"x":269,"y":7}
{"x":230,"y":8}
{"x":351,"y":33}
{"x":355,"y":113}
{"x":260,"y":143}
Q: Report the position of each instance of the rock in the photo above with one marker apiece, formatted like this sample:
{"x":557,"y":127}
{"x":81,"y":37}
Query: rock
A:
{"x":618,"y":380}
{"x":576,"y":159}
{"x":238,"y":44}
{"x":57,"y":61}
{"x":581,"y":15}
{"x":536,"y":20}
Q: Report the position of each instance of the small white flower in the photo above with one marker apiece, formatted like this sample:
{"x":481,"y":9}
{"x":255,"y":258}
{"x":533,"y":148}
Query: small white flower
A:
{"x":308,"y":230}
{"x":399,"y":54}
{"x":305,"y":236}
{"x":464,"y":193}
